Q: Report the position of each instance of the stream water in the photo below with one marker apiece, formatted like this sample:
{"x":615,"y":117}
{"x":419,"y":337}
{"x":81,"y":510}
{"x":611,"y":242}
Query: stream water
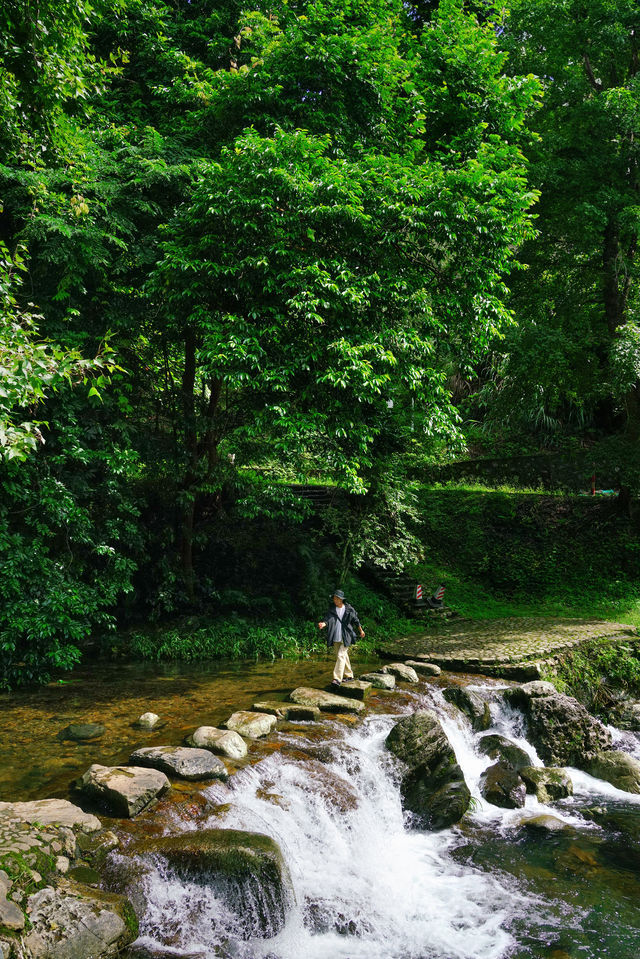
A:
{"x":365,"y":884}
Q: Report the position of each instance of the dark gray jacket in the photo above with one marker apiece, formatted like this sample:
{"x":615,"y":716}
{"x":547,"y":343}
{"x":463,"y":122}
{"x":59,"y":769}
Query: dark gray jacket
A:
{"x":341,"y":631}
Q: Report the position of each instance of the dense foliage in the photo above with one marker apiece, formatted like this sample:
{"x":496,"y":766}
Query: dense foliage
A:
{"x":234,"y":237}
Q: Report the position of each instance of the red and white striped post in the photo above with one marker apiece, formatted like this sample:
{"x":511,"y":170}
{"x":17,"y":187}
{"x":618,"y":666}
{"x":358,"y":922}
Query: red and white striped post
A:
{"x":419,"y":601}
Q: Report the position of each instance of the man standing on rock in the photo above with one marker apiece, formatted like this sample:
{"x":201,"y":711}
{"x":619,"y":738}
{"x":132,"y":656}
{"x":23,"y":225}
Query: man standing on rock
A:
{"x":341,"y":622}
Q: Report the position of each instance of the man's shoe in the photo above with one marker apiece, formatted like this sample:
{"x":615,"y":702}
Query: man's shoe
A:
{"x":336,"y":682}
{"x":349,"y":679}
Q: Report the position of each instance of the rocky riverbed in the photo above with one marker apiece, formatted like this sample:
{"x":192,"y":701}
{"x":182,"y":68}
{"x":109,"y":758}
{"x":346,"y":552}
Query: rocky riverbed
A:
{"x":83,"y":879}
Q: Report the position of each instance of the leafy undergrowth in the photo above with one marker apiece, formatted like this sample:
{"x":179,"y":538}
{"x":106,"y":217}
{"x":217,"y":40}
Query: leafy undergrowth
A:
{"x":596,"y":672}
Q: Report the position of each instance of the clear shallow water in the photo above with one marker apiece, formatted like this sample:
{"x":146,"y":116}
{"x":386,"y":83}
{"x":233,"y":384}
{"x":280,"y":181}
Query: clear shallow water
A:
{"x":35,"y":764}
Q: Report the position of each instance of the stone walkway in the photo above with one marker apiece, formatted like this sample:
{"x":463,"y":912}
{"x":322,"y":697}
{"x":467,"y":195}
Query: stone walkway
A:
{"x":502,"y":646}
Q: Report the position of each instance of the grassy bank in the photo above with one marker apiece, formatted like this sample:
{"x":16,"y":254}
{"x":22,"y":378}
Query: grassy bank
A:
{"x":507,"y":553}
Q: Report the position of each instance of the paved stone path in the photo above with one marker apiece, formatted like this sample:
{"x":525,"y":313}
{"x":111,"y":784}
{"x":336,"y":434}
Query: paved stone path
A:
{"x":500,"y":646}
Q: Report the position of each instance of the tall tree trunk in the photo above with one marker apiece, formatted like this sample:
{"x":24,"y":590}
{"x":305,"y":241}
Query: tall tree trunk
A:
{"x":188,"y":493}
{"x":616,"y":271}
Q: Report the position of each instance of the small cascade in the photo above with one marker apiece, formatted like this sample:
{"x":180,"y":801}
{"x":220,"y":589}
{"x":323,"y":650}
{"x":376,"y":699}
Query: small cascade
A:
{"x":365,"y":886}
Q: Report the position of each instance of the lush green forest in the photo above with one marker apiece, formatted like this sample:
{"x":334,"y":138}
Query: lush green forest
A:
{"x":248,"y":246}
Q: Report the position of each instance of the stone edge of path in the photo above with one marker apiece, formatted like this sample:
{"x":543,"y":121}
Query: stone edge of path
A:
{"x":521,"y":668}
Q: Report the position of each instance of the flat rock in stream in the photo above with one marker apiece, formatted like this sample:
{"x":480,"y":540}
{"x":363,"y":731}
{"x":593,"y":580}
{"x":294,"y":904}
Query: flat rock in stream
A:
{"x":424,"y":668}
{"x":380,"y":680}
{"x":326,"y":702}
{"x":401,"y":671}
{"x":352,"y":688}
{"x":223,"y":742}
{"x":292,"y":712}
{"x":251,"y":725}
{"x":181,"y":761}
{"x":123,"y":790}
{"x":50,"y":812}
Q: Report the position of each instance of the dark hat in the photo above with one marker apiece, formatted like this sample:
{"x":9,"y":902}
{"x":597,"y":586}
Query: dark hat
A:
{"x":338,"y":593}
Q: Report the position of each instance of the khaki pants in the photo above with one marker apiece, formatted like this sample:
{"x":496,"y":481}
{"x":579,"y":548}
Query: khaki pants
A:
{"x":342,"y":663}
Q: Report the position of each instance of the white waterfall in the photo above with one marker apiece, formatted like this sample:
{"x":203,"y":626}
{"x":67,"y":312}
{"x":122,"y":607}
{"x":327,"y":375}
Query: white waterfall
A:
{"x":365,"y":886}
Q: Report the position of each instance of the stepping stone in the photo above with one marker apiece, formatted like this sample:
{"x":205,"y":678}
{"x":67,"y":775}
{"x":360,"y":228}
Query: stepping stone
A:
{"x":326,"y":702}
{"x":124,"y":790}
{"x":401,"y":671}
{"x":147,"y":721}
{"x":251,"y":725}
{"x":356,"y":689}
{"x":181,"y":761}
{"x":290,"y":711}
{"x":426,"y":669}
{"x":224,"y":742}
{"x":380,"y":680}
{"x":48,"y":812}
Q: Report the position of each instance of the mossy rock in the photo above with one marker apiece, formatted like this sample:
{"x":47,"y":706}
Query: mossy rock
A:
{"x":246,"y":869}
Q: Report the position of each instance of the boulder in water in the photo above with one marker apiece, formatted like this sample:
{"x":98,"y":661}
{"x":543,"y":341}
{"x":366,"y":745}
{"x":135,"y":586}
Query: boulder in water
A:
{"x":471,"y":704}
{"x":122,"y":790}
{"x":251,"y":725}
{"x":547,"y":782}
{"x":181,"y":761}
{"x":615,"y":767}
{"x":501,"y":786}
{"x":326,"y":702}
{"x":560,"y":728}
{"x":223,"y":742}
{"x":245,"y":869}
{"x":499,"y":747}
{"x":402,"y":672}
{"x":380,"y":680}
{"x":434,"y":789}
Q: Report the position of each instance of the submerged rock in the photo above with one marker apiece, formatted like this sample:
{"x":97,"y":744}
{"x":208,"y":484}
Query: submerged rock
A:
{"x":501,"y":786}
{"x":181,"y":761}
{"x":292,"y":712}
{"x":433,"y":789}
{"x":426,"y":669}
{"x":74,"y":922}
{"x":326,"y":702}
{"x":546,"y":823}
{"x":615,"y":767}
{"x":495,"y":746}
{"x":547,"y":782}
{"x":223,"y":742}
{"x":251,"y":725}
{"x":401,"y":671}
{"x":122,"y":790}
{"x":245,"y":869}
{"x":471,"y":704}
{"x":380,"y":680}
{"x":80,"y":732}
{"x":560,"y":728}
